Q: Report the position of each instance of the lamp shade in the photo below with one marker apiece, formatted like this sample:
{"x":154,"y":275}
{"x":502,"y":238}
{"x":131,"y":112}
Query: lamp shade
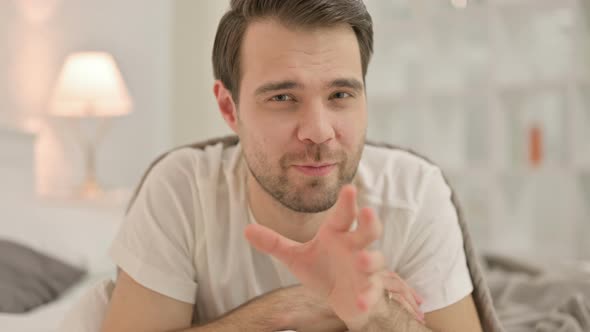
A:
{"x":90,"y":84}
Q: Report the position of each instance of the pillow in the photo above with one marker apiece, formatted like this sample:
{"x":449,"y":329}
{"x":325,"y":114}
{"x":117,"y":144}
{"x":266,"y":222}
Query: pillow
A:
{"x":29,"y":279}
{"x":78,"y":234}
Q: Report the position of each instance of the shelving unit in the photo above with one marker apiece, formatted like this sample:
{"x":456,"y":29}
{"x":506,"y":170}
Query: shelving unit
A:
{"x":466,"y":86}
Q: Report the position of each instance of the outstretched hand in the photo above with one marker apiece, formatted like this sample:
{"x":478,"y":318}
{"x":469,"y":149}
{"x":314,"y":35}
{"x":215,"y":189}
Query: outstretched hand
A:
{"x":335,"y":264}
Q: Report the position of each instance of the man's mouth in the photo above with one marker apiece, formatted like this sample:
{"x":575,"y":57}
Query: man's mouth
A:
{"x":315,"y":169}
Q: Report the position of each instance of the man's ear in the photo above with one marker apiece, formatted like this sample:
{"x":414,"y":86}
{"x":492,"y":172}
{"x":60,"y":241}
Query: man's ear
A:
{"x":226,"y":105}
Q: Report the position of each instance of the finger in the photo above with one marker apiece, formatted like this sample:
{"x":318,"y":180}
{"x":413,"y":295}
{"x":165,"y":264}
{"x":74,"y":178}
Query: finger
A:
{"x":402,"y":301}
{"x":369,"y":229}
{"x":392,"y":285}
{"x":369,"y":296}
{"x":398,"y":286}
{"x":270,"y":242}
{"x":417,"y":297}
{"x":370,"y":261}
{"x":345,"y":210}
{"x":409,"y":298}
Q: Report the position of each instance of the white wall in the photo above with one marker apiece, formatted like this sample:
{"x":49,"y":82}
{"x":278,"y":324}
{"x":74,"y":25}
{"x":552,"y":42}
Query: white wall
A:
{"x":32,"y":50}
{"x":195,"y":114}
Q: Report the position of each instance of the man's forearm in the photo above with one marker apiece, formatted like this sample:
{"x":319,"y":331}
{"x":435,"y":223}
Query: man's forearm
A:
{"x":277,"y":310}
{"x":291,"y":308}
{"x":263,"y":313}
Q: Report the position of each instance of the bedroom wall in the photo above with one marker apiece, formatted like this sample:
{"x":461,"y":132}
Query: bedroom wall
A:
{"x":194,"y":111}
{"x":35,"y":38}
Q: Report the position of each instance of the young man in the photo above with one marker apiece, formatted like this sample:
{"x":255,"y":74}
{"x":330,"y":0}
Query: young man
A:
{"x":266,"y":235}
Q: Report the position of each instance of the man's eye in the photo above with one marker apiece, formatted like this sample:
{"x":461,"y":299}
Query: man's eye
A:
{"x":341,"y":95}
{"x":281,"y":98}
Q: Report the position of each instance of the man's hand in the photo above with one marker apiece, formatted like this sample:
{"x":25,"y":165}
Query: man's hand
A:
{"x":403,"y":294}
{"x":311,"y":313}
{"x":335,"y":264}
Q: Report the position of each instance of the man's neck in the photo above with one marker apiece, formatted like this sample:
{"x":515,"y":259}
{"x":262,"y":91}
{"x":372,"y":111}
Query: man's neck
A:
{"x":267,"y":211}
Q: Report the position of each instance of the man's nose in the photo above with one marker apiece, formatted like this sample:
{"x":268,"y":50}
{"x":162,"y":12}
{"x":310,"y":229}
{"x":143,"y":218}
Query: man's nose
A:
{"x":315,"y":125}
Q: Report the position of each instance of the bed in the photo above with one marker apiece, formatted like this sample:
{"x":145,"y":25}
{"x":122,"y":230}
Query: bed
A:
{"x":528,"y":296}
{"x":78,"y":235}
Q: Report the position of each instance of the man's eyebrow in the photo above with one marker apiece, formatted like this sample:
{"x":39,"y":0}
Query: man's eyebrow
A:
{"x":276,"y":86}
{"x":351,"y":83}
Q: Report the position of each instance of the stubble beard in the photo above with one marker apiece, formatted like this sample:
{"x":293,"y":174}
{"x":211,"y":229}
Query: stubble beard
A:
{"x":310,"y":194}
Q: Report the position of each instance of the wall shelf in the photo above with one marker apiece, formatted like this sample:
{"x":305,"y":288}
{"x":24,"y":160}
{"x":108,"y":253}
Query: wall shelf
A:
{"x":465,"y":87}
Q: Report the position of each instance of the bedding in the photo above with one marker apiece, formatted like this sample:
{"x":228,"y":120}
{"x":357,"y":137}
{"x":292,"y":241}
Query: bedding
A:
{"x":48,"y":317}
{"x":88,"y":313}
{"x":540,"y":297}
{"x":29,"y":278}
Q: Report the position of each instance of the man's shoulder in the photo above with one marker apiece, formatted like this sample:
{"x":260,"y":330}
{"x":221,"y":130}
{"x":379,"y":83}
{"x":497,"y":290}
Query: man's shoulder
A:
{"x":394,"y":175}
{"x":396,"y":162}
{"x":399,"y":157}
{"x":188,"y":171}
{"x":199,"y":161}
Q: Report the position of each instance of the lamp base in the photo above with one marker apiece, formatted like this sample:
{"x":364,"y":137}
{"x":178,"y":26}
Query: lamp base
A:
{"x":90,"y":189}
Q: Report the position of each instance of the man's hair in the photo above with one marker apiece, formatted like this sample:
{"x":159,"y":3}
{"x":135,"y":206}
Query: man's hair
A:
{"x":292,"y":13}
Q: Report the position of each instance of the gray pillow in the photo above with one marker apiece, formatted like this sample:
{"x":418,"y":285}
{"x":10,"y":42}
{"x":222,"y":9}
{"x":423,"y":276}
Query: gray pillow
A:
{"x":29,"y":278}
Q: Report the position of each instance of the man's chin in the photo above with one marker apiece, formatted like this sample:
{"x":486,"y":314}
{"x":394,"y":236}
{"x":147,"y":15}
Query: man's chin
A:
{"x":316,"y":186}
{"x":309,"y":206}
{"x":313,"y":198}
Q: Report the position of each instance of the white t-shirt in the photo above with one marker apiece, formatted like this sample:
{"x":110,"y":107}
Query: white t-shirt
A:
{"x":183,"y":236}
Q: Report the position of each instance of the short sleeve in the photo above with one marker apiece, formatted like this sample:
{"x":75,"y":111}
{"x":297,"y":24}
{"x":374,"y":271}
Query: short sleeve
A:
{"x":434,"y":262}
{"x":155,"y":243}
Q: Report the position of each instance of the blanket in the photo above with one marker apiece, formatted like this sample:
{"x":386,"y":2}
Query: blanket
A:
{"x":530,"y":297}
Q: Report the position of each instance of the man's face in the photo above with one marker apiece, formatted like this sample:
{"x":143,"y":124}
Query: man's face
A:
{"x":302,"y":112}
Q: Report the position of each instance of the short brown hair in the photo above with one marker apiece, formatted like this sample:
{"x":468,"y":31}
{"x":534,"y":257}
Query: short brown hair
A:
{"x":305,"y":13}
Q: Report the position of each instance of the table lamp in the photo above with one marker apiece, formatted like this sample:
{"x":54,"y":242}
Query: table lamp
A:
{"x":90,"y":86}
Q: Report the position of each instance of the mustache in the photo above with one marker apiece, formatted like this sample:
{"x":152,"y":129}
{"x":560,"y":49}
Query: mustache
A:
{"x":313,"y":153}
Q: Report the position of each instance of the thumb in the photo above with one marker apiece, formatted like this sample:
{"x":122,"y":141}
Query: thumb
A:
{"x":270,"y":242}
{"x":345,"y":209}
